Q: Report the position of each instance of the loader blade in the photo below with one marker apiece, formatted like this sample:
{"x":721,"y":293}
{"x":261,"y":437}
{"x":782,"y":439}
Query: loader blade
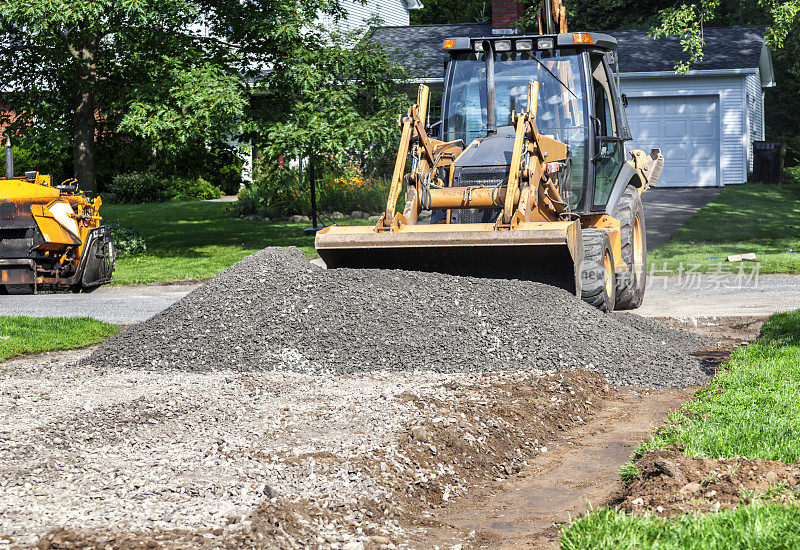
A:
{"x":548,"y":252}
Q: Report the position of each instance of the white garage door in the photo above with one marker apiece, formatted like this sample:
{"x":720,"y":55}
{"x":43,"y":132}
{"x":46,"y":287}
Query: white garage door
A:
{"x":686,"y":129}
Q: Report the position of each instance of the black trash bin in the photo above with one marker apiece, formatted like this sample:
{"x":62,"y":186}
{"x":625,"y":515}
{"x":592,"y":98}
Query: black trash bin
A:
{"x":768,"y":161}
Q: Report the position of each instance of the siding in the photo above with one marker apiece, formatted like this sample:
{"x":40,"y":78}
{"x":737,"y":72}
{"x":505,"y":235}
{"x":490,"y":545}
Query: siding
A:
{"x":733,"y":114}
{"x":391,"y":12}
{"x":755,"y":111}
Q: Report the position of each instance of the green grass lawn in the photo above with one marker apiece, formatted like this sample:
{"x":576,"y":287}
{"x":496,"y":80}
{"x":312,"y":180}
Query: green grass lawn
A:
{"x":195,"y":240}
{"x":25,"y":335}
{"x":755,"y":526}
{"x":749,"y":409}
{"x":753,"y":217}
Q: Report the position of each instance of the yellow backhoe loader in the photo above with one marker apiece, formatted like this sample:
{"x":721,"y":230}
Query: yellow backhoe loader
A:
{"x":51,"y":236}
{"x":542,"y":189}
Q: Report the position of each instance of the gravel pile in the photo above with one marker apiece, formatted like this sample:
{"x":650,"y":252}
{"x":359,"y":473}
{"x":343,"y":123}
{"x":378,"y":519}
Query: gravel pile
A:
{"x":276,"y":311}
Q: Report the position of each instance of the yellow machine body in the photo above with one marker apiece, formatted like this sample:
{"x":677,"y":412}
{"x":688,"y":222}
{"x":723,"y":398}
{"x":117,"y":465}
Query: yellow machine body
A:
{"x":51,"y":236}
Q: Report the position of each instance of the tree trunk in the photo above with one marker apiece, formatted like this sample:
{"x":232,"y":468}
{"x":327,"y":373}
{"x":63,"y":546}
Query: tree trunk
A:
{"x":83,"y":134}
{"x":84,"y":123}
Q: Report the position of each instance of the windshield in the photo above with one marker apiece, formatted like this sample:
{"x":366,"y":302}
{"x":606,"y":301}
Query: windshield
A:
{"x":560,"y":111}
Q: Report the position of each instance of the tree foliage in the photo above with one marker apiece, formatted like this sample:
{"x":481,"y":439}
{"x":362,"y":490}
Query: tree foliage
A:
{"x":336,"y":97}
{"x":443,"y":12}
{"x":169,"y":72}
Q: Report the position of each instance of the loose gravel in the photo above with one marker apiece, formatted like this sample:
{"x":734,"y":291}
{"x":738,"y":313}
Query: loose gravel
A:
{"x":119,"y":455}
{"x":275,"y":311}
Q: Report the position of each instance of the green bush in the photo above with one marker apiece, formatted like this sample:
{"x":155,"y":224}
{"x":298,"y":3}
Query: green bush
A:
{"x":138,"y":187}
{"x":251,"y":201}
{"x":352,"y":192}
{"x":194,"y":189}
{"x":275,"y":192}
{"x":218,"y":164}
{"x":27,"y":159}
{"x":128,"y":241}
{"x":791,"y":174}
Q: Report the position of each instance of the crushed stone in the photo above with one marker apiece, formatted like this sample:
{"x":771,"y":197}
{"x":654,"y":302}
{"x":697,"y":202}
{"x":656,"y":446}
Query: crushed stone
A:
{"x":274,"y":310}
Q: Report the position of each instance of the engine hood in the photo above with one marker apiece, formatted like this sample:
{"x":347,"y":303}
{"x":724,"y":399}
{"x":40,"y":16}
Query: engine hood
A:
{"x":494,"y":150}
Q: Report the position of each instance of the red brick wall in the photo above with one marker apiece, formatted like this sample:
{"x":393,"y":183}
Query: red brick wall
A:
{"x":505,"y":12}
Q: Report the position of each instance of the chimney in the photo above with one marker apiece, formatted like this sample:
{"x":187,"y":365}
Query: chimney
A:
{"x":504,"y":14}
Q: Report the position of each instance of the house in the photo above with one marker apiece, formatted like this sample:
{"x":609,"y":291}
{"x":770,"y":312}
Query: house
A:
{"x":358,"y":14}
{"x":704,"y":122}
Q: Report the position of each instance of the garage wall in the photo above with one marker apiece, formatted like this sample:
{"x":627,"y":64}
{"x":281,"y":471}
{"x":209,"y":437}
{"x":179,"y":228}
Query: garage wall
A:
{"x":755,"y":111}
{"x":734,"y":138}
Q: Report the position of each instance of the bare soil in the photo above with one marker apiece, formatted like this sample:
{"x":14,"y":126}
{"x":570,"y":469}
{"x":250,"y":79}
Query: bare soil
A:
{"x":580,"y":469}
{"x":670,"y":483}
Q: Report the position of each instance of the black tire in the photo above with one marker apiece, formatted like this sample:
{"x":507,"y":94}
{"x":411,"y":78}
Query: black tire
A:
{"x":598,"y":287}
{"x":631,"y":284}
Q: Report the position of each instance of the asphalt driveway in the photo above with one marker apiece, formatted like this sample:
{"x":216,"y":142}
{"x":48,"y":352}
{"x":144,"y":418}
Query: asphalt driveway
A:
{"x":121,"y":305}
{"x":666,"y":209}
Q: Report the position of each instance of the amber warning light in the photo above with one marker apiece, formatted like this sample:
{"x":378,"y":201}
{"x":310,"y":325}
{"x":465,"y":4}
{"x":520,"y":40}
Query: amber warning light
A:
{"x":449,"y":43}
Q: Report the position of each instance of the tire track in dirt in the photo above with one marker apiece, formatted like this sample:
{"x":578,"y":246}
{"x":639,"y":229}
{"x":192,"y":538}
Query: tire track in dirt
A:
{"x":581,"y":469}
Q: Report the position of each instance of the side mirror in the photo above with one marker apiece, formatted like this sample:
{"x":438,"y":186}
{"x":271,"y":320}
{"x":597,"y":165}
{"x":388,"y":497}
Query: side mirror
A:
{"x":624,"y":98}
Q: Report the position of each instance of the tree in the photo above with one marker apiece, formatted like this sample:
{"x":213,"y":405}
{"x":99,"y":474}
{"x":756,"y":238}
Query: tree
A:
{"x":782,"y":18}
{"x":444,"y":12}
{"x":687,"y":20}
{"x":336,"y":97}
{"x":167,"y":71}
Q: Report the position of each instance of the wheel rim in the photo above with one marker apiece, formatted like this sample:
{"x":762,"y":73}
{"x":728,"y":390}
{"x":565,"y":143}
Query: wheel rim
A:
{"x":607,"y":271}
{"x":638,"y":246}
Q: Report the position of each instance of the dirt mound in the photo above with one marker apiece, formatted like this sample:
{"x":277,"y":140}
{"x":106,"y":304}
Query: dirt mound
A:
{"x":275,"y":310}
{"x":669,"y":483}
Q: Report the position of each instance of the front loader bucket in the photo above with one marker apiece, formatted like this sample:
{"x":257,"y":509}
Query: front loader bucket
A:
{"x":548,"y":252}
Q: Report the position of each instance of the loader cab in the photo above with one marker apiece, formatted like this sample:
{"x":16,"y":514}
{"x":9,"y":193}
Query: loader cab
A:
{"x":579,"y":104}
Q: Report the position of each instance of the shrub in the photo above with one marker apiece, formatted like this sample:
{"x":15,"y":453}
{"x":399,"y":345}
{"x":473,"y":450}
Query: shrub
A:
{"x":194,"y":189}
{"x":138,"y":187}
{"x":791,"y":174}
{"x":128,"y":241}
{"x":279,"y":193}
{"x":251,"y":201}
{"x":218,"y":164}
{"x":275,"y":192}
{"x":56,"y":163}
{"x":352,"y":192}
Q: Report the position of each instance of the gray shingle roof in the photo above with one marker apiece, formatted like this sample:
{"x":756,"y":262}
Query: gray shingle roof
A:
{"x":420,"y":46}
{"x":725,"y":47}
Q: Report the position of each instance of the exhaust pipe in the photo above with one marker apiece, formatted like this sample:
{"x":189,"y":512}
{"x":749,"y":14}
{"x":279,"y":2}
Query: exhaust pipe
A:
{"x":491,"y":121}
{"x":9,"y":160}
